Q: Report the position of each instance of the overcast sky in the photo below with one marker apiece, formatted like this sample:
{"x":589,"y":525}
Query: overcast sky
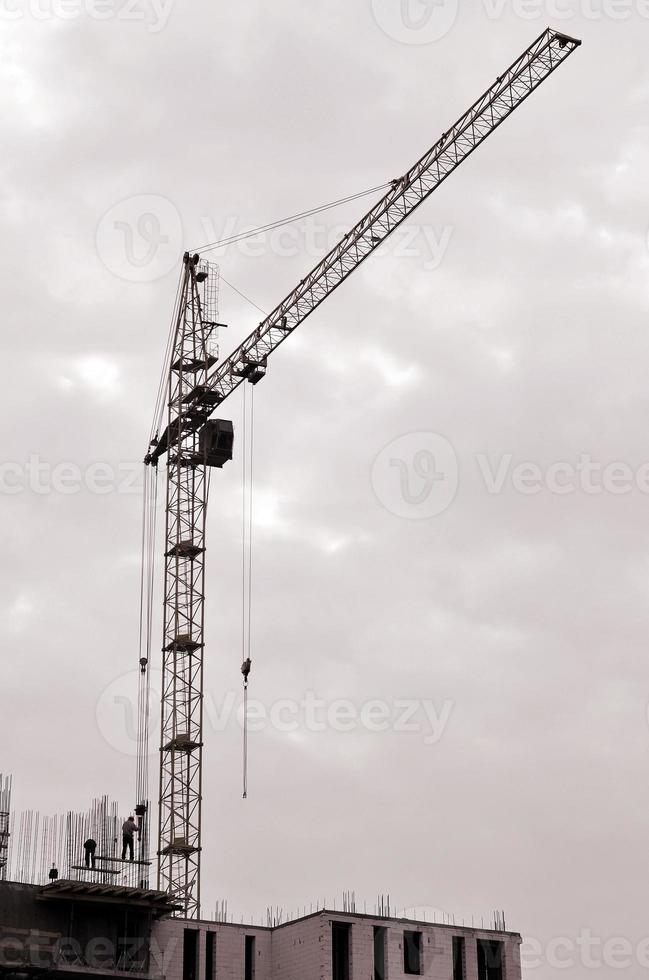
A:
{"x":502,"y":610}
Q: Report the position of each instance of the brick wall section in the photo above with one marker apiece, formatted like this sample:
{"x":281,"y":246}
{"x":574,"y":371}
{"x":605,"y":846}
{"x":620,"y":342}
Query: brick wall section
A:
{"x":301,"y":950}
{"x":437,"y":948}
{"x":513,"y":960}
{"x":471,"y":958}
{"x":230,"y":949}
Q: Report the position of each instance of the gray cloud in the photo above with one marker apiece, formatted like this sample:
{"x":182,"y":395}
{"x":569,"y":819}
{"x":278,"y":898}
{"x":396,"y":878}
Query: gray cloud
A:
{"x":528,"y":338}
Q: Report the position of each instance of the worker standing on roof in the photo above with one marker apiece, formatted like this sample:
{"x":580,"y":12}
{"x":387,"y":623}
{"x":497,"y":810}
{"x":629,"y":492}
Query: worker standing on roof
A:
{"x":129,"y":827}
{"x":89,"y":849}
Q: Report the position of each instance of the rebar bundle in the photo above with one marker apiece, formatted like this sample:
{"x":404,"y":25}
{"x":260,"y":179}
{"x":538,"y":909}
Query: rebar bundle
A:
{"x":5,"y":816}
{"x":77,"y":846}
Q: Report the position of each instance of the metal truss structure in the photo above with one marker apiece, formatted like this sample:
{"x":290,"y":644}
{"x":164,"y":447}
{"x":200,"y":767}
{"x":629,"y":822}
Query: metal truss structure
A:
{"x":193,"y":441}
{"x":181,"y":744}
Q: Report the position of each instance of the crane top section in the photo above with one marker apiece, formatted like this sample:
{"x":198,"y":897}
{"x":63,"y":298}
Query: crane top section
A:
{"x":406,"y":193}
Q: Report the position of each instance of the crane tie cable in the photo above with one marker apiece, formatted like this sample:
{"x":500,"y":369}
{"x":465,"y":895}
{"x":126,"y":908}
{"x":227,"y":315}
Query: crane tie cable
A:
{"x":163,"y":383}
{"x":271,"y":225}
{"x":232,"y":240}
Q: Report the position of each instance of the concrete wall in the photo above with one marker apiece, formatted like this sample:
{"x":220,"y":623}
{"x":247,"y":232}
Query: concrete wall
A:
{"x":38,"y":933}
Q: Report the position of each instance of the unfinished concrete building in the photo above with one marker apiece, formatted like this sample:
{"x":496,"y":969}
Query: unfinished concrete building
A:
{"x":72,"y":929}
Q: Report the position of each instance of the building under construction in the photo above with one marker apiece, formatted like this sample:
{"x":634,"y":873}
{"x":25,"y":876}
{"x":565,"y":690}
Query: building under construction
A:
{"x":68,"y":912}
{"x":73,"y":928}
{"x":74,"y":899}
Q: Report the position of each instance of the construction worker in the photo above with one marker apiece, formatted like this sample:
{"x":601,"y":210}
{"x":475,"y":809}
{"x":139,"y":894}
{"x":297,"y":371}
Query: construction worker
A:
{"x":129,"y":827}
{"x":89,"y":849}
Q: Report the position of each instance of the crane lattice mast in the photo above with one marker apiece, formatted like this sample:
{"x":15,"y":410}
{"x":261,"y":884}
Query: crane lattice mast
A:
{"x":194,"y":442}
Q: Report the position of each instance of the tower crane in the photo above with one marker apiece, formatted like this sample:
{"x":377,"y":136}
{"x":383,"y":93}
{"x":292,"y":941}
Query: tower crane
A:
{"x":194,"y":442}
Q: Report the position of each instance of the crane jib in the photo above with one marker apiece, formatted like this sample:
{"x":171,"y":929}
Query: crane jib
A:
{"x":406,"y":194}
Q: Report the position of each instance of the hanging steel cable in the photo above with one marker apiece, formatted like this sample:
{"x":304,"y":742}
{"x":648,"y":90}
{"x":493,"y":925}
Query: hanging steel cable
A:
{"x":147,"y":573}
{"x":246,"y":566}
{"x":250,"y":503}
{"x":142,"y":658}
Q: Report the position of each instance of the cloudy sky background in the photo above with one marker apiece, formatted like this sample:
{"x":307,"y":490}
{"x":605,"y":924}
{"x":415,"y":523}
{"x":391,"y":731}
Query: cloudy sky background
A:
{"x":513,"y":325}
